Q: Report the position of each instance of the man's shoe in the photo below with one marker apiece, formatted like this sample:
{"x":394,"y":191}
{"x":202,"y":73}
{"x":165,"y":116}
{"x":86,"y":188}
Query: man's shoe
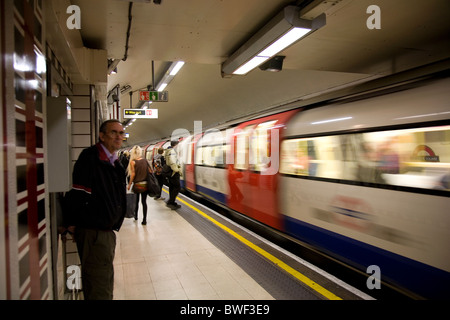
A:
{"x":173,"y":206}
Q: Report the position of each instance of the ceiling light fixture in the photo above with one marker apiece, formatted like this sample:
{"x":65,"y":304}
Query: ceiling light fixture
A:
{"x":282,"y":31}
{"x":176,"y":67}
{"x":112,"y":65}
{"x":161,"y":86}
{"x":169,"y":75}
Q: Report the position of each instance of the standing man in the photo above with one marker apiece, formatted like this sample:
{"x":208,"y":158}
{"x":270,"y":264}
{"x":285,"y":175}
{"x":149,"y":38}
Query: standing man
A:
{"x":158,"y":163}
{"x":96,"y":208}
{"x":171,"y":158}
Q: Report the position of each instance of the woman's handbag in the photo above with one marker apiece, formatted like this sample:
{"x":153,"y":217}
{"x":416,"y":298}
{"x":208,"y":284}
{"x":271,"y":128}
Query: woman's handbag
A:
{"x":140,"y":187}
{"x":152,"y":185}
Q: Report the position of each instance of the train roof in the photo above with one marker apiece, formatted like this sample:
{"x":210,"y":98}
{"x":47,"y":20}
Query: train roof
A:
{"x":426,"y":102}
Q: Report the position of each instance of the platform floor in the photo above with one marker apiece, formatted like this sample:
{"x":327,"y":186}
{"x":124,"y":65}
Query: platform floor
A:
{"x":169,"y":259}
{"x":193,"y":253}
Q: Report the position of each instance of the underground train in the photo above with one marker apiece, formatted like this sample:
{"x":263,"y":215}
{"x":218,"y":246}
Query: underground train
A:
{"x":364,"y":179}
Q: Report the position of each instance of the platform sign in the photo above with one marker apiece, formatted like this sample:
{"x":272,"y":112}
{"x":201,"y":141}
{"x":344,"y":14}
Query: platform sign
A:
{"x":140,"y":113}
{"x":154,"y":96}
{"x":144,"y":95}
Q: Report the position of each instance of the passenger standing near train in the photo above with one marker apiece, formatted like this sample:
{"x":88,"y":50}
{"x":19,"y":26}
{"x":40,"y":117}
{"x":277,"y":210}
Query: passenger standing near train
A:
{"x":124,"y":159}
{"x":158,"y":163}
{"x":171,"y":158}
{"x":137,"y":171}
{"x":95,"y":208}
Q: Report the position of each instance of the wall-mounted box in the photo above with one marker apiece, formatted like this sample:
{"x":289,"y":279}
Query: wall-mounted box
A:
{"x":59,"y":143}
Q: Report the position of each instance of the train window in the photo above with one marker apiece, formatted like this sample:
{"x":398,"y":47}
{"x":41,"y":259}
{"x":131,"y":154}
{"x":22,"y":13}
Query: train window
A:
{"x":198,"y":157}
{"x":213,"y":156}
{"x":259,"y":157}
{"x":189,"y":152}
{"x":211,"y":150}
{"x":241,"y":152}
{"x":318,"y":157}
{"x":149,"y":153}
{"x":182,"y":149}
{"x":418,"y":157}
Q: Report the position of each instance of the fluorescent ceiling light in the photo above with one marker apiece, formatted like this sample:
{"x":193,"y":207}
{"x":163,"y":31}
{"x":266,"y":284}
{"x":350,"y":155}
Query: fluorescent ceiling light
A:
{"x":161,"y":86}
{"x":279,"y":45}
{"x":256,"y":61}
{"x":279,"y":33}
{"x":173,"y":69}
{"x":176,"y":68}
{"x":284,"y":42}
{"x":147,"y":104}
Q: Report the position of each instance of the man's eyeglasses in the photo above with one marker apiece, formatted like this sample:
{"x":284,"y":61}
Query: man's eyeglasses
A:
{"x":116,"y":133}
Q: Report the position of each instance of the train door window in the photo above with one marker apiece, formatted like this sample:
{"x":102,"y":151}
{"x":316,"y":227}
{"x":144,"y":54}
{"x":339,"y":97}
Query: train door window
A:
{"x":260,"y":145}
{"x":189,"y":151}
{"x":183,"y":148}
{"x":198,"y":156}
{"x":219,"y":153}
{"x":351,"y":156}
{"x":149,"y":153}
{"x":202,"y":142}
{"x":242,"y":146}
{"x":208,"y":155}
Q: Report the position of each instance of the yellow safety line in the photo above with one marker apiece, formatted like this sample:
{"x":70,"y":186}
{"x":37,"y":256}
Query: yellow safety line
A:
{"x":310,"y":283}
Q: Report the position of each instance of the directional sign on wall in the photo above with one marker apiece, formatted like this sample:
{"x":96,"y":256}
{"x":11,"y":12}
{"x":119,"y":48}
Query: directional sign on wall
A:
{"x":154,"y":96}
{"x":140,"y":113}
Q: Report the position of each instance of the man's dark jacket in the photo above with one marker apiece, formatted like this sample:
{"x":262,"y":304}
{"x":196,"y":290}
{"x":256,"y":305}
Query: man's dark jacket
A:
{"x":98,"y":196}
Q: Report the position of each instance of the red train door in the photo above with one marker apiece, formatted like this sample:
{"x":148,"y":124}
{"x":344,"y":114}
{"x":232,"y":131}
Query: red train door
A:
{"x":190,"y":164}
{"x":253,"y":178}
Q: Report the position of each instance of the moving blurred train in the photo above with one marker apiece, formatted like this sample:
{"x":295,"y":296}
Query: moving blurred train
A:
{"x":363,"y":178}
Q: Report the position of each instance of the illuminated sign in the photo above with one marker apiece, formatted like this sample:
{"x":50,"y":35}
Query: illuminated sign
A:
{"x":154,"y":96}
{"x":140,"y":113}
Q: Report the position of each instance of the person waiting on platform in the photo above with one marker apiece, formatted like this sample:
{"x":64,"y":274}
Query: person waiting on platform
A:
{"x":171,"y":158}
{"x":158,"y":163}
{"x":95,"y":207}
{"x":137,"y":170}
